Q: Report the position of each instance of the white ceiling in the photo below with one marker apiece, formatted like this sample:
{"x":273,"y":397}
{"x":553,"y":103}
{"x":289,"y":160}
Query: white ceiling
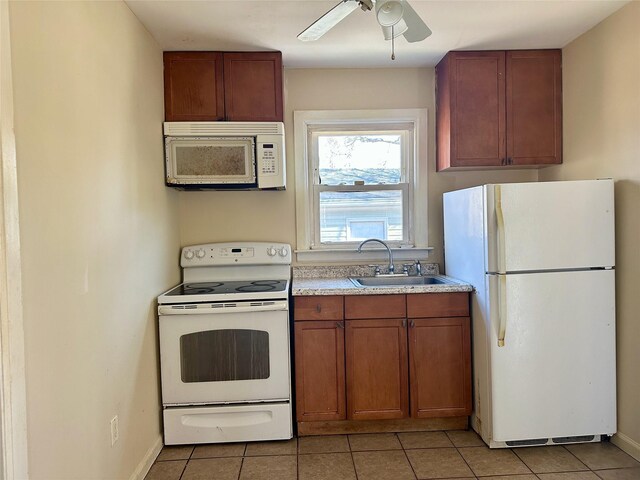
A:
{"x":253,"y":25}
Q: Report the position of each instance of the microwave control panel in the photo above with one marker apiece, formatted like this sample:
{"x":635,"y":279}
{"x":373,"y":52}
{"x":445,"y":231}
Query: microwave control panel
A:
{"x":270,"y":161}
{"x":267,"y":155}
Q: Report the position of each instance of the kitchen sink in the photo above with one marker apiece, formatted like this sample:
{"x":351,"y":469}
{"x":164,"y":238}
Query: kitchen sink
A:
{"x":398,"y":281}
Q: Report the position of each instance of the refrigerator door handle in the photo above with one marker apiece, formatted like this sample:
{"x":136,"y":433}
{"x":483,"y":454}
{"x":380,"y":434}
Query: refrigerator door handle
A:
{"x":501,"y":232}
{"x":502,"y":309}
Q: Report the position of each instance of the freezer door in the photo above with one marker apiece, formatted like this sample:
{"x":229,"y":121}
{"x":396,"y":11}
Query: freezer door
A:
{"x":549,"y":226}
{"x":555,"y":375}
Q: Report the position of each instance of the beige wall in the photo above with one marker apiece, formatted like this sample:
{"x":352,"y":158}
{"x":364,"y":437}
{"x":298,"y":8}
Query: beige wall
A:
{"x":270,"y":216}
{"x":98,"y":242}
{"x":601,"y":73}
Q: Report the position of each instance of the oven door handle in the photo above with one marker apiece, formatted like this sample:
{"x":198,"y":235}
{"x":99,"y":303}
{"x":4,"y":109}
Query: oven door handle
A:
{"x":213,"y":308}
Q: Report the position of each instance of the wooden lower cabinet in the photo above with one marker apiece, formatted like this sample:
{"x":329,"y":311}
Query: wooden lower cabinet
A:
{"x":377,"y":373}
{"x":440,"y":367}
{"x":320,"y":382}
{"x":363,"y":361}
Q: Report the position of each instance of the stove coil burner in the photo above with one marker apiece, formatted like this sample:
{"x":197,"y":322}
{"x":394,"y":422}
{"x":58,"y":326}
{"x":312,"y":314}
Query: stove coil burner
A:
{"x":201,"y":288}
{"x":259,"y":286}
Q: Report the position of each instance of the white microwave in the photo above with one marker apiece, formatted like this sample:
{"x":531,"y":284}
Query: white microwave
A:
{"x":225,"y":155}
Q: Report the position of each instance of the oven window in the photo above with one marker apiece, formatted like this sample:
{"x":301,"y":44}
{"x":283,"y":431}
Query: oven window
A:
{"x":224,"y":355}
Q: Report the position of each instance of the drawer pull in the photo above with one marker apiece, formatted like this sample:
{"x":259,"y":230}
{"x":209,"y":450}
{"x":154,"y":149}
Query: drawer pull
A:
{"x":318,"y":308}
{"x":412,"y":323}
{"x":404,"y":323}
{"x":339,"y":325}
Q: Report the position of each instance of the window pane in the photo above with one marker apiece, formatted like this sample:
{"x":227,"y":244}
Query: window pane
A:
{"x":363,"y":229}
{"x":373,"y":159}
{"x":380,"y":213}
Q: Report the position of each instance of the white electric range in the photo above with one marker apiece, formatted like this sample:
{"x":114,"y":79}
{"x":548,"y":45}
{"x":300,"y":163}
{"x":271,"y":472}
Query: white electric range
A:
{"x":224,"y":345}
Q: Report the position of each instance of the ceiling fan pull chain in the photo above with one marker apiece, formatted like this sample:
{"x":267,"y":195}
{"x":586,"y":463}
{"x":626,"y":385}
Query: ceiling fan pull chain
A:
{"x":393,"y":45}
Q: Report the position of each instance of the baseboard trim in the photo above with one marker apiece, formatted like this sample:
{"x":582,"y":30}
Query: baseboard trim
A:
{"x":627,"y":444}
{"x":145,"y":464}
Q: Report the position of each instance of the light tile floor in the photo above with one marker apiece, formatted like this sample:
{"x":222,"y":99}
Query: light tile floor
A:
{"x":390,"y":456}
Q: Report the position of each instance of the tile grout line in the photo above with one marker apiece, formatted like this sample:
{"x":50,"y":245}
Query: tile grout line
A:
{"x":460,"y":453}
{"x":241,"y":465}
{"x":353,"y":462}
{"x":462,"y":456}
{"x":576,"y":457}
{"x":404,"y":450}
{"x":184,"y":469}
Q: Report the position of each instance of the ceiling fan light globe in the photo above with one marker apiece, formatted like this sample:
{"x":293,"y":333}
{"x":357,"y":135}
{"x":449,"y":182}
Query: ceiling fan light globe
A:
{"x":393,"y":32}
{"x":389,"y":12}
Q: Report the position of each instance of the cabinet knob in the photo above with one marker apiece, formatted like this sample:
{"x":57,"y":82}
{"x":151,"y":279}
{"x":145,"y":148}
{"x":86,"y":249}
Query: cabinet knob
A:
{"x":339,"y":325}
{"x":404,"y":323}
{"x":318,"y":308}
{"x":412,"y":323}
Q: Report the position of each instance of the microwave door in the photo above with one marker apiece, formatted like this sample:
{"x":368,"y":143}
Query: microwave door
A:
{"x":211,"y":161}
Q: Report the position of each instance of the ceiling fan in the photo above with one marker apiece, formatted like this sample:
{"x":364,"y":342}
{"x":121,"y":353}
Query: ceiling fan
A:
{"x":396,"y":17}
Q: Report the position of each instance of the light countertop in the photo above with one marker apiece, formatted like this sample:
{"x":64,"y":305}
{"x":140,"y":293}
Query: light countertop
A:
{"x":335,"y":281}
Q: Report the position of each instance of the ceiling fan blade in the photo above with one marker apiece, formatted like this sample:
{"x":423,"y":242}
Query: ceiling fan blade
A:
{"x":417,"y":30}
{"x":328,"y":20}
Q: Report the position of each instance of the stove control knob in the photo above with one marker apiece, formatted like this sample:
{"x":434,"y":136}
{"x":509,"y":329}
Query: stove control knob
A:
{"x":283,"y":252}
{"x":188,"y":254}
{"x":271,"y":251}
{"x":200,"y":253}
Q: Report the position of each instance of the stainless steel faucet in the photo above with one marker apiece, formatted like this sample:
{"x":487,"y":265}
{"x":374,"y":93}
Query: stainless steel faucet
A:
{"x":391,"y":269}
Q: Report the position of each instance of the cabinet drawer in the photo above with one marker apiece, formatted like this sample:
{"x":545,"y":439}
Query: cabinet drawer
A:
{"x":424,"y":305}
{"x":375,"y":306}
{"x":318,"y":308}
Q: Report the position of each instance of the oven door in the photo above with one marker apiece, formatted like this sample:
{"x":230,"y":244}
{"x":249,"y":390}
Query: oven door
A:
{"x":224,"y":353}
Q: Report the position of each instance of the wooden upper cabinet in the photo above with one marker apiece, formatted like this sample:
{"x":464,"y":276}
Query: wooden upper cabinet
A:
{"x":440,"y":366}
{"x":193,"y":86}
{"x":497,"y":108}
{"x":320,"y":371}
{"x":534,"y":107}
{"x":471,"y":93}
{"x":212,"y":86}
{"x":377,"y":369}
{"x":253,"y":86}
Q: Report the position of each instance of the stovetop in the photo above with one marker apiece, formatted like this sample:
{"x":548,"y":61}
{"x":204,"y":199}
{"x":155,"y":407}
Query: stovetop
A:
{"x":206,"y":288}
{"x":230,"y":272}
{"x":217,"y":291}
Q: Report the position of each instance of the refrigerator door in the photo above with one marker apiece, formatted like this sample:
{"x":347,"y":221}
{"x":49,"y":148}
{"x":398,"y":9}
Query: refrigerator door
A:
{"x":555,"y":374}
{"x":549,"y":226}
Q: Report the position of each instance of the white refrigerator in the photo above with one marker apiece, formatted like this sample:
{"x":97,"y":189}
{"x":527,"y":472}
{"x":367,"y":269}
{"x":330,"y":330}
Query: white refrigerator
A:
{"x":541,"y":258}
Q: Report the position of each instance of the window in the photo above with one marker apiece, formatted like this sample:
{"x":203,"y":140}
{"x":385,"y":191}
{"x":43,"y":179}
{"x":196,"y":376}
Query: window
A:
{"x":357,"y":177}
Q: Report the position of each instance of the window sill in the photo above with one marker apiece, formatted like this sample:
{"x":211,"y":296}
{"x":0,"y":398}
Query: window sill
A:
{"x":340,"y":255}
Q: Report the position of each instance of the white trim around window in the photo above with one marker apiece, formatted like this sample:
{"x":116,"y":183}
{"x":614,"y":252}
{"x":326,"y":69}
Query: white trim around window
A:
{"x":413,"y":122}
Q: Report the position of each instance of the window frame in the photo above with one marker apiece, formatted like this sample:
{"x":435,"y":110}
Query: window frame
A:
{"x":414,"y":171}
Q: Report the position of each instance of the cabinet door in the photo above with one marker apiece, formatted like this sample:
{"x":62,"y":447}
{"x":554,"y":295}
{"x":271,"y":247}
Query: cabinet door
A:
{"x":476,"y":109}
{"x":193,"y":86}
{"x":377,"y":376}
{"x":440,"y":366}
{"x":320,"y":385}
{"x":253,"y":86}
{"x":534,"y":107}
